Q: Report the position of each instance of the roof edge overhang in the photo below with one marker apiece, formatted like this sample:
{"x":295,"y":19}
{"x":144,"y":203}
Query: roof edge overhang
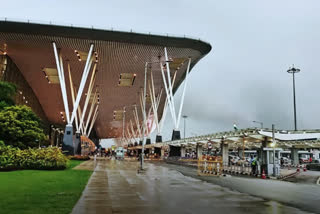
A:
{"x":103,"y":35}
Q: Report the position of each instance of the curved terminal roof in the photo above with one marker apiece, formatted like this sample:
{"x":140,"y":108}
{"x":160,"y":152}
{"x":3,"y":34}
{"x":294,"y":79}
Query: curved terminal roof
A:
{"x":29,"y":45}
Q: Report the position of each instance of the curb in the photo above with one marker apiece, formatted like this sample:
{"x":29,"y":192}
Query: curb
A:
{"x":290,"y":175}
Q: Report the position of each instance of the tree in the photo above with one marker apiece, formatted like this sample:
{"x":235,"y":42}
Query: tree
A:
{"x":20,"y":127}
{"x":7,"y":92}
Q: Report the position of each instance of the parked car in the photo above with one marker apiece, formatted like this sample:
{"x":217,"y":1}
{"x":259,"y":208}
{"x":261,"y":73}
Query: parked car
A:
{"x":119,"y":153}
{"x":286,"y":160}
{"x":233,"y":159}
{"x":304,"y":158}
{"x":314,"y":165}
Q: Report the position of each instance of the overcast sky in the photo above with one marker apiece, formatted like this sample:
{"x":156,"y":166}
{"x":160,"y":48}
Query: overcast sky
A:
{"x":244,"y":77}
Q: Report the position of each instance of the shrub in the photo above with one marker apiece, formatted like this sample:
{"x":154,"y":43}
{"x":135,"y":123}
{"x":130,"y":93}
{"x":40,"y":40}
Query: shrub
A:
{"x":20,"y":127}
{"x":79,"y":157}
{"x":48,"y":158}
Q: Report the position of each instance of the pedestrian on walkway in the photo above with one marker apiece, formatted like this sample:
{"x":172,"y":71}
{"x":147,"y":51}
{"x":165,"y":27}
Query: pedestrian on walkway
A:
{"x":253,"y":166}
{"x":281,"y":161}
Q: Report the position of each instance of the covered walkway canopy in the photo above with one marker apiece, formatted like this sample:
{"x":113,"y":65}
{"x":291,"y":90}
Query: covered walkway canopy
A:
{"x":253,"y":138}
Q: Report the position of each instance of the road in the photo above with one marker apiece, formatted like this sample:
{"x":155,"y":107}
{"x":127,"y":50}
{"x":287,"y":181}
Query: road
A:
{"x":303,"y":196}
{"x":115,"y":187}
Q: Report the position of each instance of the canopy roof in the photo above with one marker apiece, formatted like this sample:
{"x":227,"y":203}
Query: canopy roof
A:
{"x":253,"y":139}
{"x":120,"y":54}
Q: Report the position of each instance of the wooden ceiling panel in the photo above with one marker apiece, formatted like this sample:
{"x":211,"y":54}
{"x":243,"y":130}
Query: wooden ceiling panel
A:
{"x":33,"y":53}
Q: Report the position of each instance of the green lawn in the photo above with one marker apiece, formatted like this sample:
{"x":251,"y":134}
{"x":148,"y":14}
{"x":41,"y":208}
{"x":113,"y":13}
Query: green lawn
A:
{"x":40,"y":191}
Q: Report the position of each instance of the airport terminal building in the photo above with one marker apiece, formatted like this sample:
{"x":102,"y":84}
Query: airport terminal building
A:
{"x":90,"y":82}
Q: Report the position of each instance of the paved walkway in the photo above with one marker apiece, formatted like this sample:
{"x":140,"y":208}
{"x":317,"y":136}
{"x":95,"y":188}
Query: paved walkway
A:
{"x":115,"y":187}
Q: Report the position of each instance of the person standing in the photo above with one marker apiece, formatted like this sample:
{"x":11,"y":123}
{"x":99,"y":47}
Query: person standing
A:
{"x":253,"y":165}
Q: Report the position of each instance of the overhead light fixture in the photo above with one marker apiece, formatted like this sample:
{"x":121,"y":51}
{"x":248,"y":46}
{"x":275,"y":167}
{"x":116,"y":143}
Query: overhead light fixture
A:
{"x":51,"y":74}
{"x":127,"y":79}
{"x":82,"y":56}
{"x":118,"y":115}
{"x":96,"y":55}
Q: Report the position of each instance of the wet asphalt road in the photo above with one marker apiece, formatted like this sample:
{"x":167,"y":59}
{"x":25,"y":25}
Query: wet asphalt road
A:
{"x":115,"y":187}
{"x":302,"y":196}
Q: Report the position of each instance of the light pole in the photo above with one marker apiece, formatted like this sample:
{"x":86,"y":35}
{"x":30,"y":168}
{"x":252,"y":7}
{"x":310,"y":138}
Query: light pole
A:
{"x":184,"y":125}
{"x":292,"y":71}
{"x":261,"y":123}
{"x":274,"y":151}
{"x":144,"y":112}
{"x":144,"y":115}
{"x":123,"y":123}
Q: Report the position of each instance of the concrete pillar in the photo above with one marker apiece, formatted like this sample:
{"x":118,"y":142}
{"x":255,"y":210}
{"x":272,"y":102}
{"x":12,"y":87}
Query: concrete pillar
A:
{"x":225,"y":153}
{"x":295,"y":156}
{"x":199,"y":150}
{"x":158,"y":139}
{"x":57,"y":139}
{"x":162,"y":152}
{"x":175,"y":135}
{"x":183,"y":151}
{"x":148,"y":141}
{"x":240,"y":152}
{"x":53,"y":136}
{"x":67,"y":145}
{"x":262,"y":157}
{"x":77,"y":144}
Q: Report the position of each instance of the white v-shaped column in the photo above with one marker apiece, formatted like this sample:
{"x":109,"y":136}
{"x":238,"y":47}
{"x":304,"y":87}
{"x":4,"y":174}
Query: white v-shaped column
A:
{"x":166,"y":105}
{"x":82,"y":83}
{"x":59,"y":64}
{"x":169,"y":88}
{"x":60,"y":70}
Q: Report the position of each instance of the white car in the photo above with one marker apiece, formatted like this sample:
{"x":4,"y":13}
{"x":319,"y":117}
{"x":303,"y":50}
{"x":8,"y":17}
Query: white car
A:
{"x":233,"y":159}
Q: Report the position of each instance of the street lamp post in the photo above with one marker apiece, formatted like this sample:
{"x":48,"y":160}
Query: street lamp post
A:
{"x":274,"y":151}
{"x":292,"y":71}
{"x":261,"y":123}
{"x":184,"y":125}
{"x":144,"y":113}
{"x":123,"y":124}
{"x":144,"y":116}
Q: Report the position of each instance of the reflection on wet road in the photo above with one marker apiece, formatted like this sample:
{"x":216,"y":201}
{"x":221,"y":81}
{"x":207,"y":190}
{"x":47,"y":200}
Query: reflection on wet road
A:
{"x":115,"y":187}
